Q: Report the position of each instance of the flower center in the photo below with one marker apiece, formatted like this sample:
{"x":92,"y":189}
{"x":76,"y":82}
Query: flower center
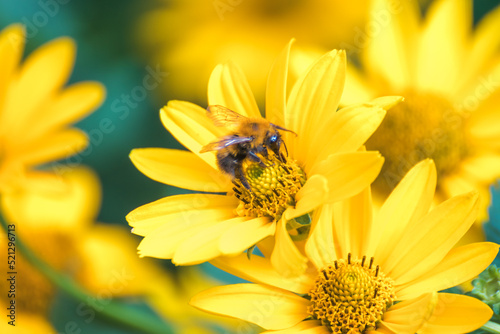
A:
{"x":423,"y":126}
{"x":351,"y":296}
{"x":272,"y":188}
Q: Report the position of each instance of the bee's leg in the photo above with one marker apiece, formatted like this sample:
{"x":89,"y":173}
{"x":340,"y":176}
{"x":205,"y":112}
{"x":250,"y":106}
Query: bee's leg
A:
{"x":238,"y":174}
{"x":265,"y":153}
{"x":282,"y":157}
{"x":254,"y":157}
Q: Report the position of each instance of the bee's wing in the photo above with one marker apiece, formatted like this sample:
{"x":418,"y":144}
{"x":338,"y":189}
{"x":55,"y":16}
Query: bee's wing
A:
{"x":225,"y":142}
{"x":222,"y":116}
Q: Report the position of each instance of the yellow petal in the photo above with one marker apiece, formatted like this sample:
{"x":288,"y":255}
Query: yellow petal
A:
{"x":163,"y":241}
{"x":11,"y":50}
{"x":459,"y":183}
{"x":353,"y":224}
{"x":229,"y":87}
{"x":482,"y":168}
{"x":189,"y":124}
{"x":347,"y":130}
{"x":311,"y":195}
{"x":304,"y":327}
{"x":260,"y":270}
{"x":42,"y":181}
{"x":203,"y":245}
{"x":457,"y":314}
{"x":426,"y":242}
{"x":147,"y":218}
{"x":268,"y":307}
{"x":408,"y":316}
{"x":69,"y":106}
{"x":446,"y":29}
{"x":54,"y":147}
{"x":459,"y":265}
{"x":313,"y":98}
{"x":178,"y":168}
{"x":456,"y":184}
{"x":276,"y":87}
{"x":484,"y":46}
{"x":286,"y":258}
{"x":391,"y":51}
{"x":66,"y":203}
{"x":408,"y":202}
{"x":349,"y":173}
{"x":483,"y":124}
{"x":53,"y":62}
{"x":320,"y":246}
{"x":386,"y":102}
{"x":357,"y":88}
{"x":245,"y":235}
{"x":266,"y":246}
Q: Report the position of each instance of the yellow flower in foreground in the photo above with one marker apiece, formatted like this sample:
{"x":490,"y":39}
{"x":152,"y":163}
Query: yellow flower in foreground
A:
{"x":450,"y":79}
{"x":369,"y":275}
{"x":324,"y":165}
{"x":35,"y":109}
{"x":191,"y":37}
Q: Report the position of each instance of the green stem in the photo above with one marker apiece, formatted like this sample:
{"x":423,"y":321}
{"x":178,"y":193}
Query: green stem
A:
{"x":491,"y":327}
{"x":116,"y":311}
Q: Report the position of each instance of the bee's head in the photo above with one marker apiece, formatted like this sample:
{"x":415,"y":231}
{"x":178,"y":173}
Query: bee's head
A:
{"x":273,"y":141}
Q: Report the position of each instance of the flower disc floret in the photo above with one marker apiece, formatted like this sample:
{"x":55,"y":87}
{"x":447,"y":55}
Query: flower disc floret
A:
{"x":272,"y":187}
{"x":351,"y":296}
{"x":423,"y":126}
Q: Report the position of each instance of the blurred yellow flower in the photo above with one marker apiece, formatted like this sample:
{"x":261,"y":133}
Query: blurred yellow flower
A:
{"x":59,"y":227}
{"x":189,"y":38}
{"x":52,"y":223}
{"x":35,"y":109}
{"x":324,"y":155}
{"x":369,"y":275}
{"x":450,"y":79}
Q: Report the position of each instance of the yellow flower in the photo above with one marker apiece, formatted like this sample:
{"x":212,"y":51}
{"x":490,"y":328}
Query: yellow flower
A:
{"x":369,"y":275}
{"x":52,"y":223}
{"x":189,"y":38}
{"x":324,"y":165}
{"x":449,"y":77}
{"x":59,"y":227}
{"x":35,"y":109}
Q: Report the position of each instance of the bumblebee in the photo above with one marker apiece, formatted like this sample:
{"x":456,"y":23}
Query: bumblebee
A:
{"x":251,"y":138}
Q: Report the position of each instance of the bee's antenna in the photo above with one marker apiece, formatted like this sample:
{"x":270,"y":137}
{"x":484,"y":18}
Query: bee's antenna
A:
{"x":283,"y":129}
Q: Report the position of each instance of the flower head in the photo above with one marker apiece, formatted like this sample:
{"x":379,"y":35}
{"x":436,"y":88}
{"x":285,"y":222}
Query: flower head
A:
{"x":191,"y":37}
{"x":35,"y":109}
{"x":369,"y":274}
{"x":325,"y":163}
{"x":451,"y":112}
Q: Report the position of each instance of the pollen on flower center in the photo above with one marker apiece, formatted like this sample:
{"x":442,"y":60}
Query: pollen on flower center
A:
{"x":272,"y":188}
{"x":351,"y":296}
{"x":423,"y":126}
